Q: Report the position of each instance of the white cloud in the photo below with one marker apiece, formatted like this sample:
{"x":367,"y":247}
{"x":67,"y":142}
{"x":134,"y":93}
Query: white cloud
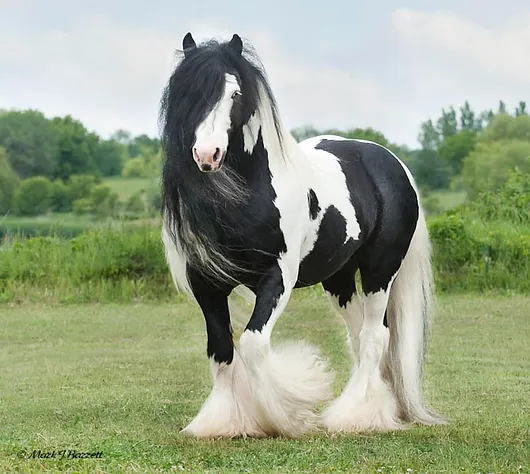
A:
{"x":452,"y":59}
{"x":500,"y":52}
{"x":111,"y":77}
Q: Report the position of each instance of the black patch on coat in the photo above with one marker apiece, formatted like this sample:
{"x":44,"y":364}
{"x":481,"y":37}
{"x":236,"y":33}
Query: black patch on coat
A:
{"x":314,"y":208}
{"x":330,"y":251}
{"x":268,"y":292}
{"x":342,"y":283}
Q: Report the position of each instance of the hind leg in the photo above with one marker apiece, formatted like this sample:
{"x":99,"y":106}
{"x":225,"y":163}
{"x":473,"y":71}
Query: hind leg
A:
{"x":229,"y":410}
{"x":367,"y":402}
{"x":287,"y":381}
{"x":341,"y":291}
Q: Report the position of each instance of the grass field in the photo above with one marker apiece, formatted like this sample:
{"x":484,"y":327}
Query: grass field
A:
{"x":126,"y":187}
{"x":124,"y":379}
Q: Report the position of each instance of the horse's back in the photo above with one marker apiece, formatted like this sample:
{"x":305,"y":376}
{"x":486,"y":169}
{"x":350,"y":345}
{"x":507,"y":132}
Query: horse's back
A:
{"x":378,"y":181}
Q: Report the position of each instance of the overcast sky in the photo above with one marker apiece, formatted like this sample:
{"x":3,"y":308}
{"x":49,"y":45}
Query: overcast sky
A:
{"x":385,"y":64}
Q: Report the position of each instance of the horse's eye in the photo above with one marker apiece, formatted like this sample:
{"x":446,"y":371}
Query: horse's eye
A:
{"x":236,"y":94}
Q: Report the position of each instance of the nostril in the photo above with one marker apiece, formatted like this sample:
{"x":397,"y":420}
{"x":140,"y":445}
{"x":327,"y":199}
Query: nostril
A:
{"x":216,"y":154}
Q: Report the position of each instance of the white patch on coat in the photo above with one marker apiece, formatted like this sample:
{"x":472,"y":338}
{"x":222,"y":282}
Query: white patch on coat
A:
{"x":213,"y":130}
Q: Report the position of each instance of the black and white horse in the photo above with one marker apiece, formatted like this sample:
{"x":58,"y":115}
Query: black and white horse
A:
{"x":246,"y":205}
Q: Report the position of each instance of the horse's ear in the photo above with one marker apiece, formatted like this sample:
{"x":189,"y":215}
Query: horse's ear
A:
{"x":188,"y":44}
{"x":236,"y":44}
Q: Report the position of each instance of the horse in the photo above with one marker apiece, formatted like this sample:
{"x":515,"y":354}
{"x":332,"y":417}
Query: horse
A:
{"x":245,"y":206}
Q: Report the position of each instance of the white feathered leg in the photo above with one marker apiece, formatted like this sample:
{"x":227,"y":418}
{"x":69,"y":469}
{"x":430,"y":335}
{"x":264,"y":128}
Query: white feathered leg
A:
{"x":367,"y":403}
{"x":289,"y":381}
{"x":230,"y":409}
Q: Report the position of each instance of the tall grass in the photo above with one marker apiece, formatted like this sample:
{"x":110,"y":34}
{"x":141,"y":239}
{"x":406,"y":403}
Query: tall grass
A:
{"x":473,"y":255}
{"x":117,"y":264}
{"x":125,"y":262}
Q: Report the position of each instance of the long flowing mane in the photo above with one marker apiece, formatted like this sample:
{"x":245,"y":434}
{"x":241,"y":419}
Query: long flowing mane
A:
{"x":196,"y":203}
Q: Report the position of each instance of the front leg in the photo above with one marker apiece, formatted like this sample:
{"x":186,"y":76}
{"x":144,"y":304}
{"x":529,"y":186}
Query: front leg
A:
{"x":288,"y":381}
{"x":229,"y":410}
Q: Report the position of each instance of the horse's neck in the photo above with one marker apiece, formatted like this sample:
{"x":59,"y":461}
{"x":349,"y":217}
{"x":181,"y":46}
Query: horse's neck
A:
{"x":282,"y":149}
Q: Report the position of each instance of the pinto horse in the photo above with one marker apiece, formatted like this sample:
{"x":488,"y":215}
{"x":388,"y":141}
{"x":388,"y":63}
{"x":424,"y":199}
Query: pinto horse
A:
{"x":246,"y":206}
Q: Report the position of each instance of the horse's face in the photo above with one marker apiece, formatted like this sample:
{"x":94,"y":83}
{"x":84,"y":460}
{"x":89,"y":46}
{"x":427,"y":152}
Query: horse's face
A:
{"x":213,"y":134}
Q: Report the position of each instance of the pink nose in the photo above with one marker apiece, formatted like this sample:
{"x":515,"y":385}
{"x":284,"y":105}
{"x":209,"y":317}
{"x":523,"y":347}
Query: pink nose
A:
{"x":207,"y":156}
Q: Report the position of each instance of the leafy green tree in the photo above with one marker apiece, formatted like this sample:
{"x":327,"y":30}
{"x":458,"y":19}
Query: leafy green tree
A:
{"x":467,"y":117}
{"x":146,"y":165}
{"x":506,"y":127}
{"x":455,"y":148}
{"x":502,"y":107}
{"x":121,"y":136}
{"x":143,"y":144}
{"x":77,"y":148}
{"x":9,"y":182}
{"x":485,"y":118}
{"x":428,"y":169}
{"x":33,"y":196}
{"x":488,"y":167}
{"x":429,"y":137}
{"x":109,"y":157}
{"x":135,"y":168}
{"x":521,"y":109}
{"x":30,"y":141}
{"x":447,"y":124}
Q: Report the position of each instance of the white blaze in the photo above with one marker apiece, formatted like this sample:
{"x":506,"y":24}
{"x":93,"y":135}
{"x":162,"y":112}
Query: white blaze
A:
{"x":213,"y":131}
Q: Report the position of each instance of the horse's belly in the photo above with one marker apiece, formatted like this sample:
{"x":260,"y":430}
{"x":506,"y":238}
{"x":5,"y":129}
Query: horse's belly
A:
{"x":327,"y":250}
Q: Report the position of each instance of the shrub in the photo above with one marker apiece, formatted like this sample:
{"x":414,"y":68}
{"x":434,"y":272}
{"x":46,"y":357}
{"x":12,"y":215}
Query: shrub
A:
{"x":83,"y":206}
{"x":136,"y":168}
{"x":80,"y":185}
{"x":33,"y":196}
{"x":116,"y":264}
{"x":9,"y":182}
{"x":136,"y":203}
{"x":488,"y":167}
{"x":61,"y":199}
{"x":511,"y":203}
{"x":104,"y":200}
{"x":154,"y":197}
{"x":469,"y":255}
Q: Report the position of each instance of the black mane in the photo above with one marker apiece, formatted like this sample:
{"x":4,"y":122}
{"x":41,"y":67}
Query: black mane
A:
{"x":197,"y":205}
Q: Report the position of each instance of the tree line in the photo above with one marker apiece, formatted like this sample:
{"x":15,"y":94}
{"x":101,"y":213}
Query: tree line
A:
{"x":56,"y":164}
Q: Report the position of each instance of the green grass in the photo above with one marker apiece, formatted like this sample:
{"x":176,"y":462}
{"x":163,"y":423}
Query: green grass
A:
{"x":60,"y":224}
{"x":124,"y":379}
{"x":126,"y":187}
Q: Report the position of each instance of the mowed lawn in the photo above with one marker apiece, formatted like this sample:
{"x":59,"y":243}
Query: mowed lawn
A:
{"x":122,"y":380}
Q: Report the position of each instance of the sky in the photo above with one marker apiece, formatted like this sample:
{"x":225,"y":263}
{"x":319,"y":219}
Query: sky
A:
{"x":384,"y":64}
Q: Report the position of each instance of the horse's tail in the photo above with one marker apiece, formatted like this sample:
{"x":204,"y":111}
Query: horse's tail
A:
{"x":409,"y":311}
